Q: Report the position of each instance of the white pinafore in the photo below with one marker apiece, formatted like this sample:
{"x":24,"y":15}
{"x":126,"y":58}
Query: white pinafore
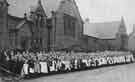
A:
{"x":44,"y":68}
{"x":24,"y":69}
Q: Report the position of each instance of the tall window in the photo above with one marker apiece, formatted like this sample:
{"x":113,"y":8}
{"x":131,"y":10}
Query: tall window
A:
{"x":69,"y":25}
{"x":12,"y":39}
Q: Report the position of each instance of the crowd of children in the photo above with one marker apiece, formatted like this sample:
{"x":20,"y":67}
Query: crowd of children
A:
{"x":26,"y":63}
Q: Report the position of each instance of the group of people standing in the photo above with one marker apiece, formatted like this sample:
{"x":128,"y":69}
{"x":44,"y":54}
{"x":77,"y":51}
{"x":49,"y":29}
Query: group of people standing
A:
{"x":26,"y":63}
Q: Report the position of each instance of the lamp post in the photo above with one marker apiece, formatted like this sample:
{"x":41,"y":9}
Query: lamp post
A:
{"x":53,"y":22}
{"x":49,"y":27}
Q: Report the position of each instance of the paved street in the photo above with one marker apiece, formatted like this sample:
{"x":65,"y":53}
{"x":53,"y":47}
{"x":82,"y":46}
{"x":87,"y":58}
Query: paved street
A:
{"x":122,"y":73}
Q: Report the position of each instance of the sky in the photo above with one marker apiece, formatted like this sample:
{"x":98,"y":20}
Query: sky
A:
{"x":108,"y":10}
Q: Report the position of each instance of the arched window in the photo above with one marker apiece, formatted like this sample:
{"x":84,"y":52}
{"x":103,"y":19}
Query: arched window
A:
{"x":69,"y":25}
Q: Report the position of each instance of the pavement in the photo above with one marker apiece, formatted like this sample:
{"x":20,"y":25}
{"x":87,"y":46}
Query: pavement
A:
{"x":120,"y":73}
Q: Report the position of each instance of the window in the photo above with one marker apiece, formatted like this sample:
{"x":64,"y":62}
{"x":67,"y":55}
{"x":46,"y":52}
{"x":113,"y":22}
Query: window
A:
{"x":12,"y":39}
{"x":69,"y":25}
{"x":1,"y":5}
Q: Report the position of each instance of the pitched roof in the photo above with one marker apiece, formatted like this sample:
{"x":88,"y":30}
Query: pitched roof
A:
{"x":106,"y":30}
{"x":19,"y":7}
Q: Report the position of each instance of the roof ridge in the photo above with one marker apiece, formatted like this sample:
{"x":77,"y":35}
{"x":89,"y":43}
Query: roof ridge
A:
{"x":103,"y":30}
{"x":104,"y":22}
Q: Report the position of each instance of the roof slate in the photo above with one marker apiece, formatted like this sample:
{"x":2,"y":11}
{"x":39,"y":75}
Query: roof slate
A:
{"x":19,"y":7}
{"x":105,"y":30}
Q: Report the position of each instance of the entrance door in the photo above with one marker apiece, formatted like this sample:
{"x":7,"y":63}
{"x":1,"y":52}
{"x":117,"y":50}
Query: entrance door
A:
{"x":24,"y":44}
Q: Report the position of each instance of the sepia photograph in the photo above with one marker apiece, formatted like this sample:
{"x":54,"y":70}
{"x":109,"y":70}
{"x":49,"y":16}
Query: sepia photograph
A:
{"x":67,"y":41}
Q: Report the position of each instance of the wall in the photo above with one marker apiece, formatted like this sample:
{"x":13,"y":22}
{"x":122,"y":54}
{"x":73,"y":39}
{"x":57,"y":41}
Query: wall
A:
{"x":61,"y":40}
{"x":3,"y":27}
{"x":93,"y":44}
{"x":131,"y":42}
